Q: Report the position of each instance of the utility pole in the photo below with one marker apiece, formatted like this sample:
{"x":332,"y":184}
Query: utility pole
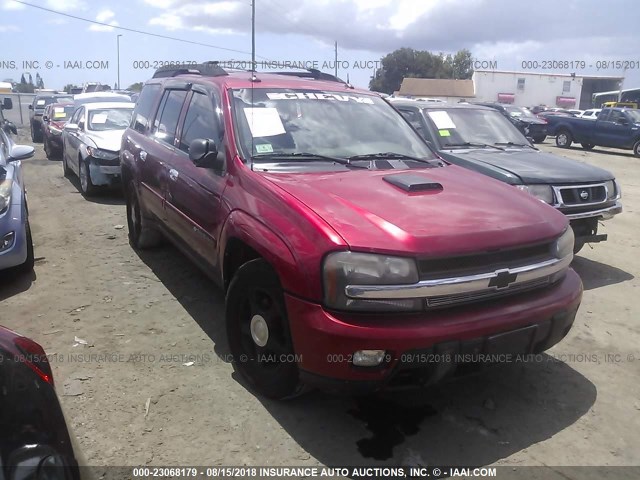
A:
{"x":118,"y":44}
{"x":253,"y":35}
{"x":335,"y":63}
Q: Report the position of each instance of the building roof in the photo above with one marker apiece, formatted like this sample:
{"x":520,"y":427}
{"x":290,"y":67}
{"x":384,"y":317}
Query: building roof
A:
{"x":436,"y":87}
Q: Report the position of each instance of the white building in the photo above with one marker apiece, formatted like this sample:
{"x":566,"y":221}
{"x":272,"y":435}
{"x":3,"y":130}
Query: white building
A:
{"x":526,"y":89}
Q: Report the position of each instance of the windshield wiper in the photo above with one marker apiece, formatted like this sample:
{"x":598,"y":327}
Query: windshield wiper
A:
{"x":313,"y":157}
{"x":392,"y":156}
{"x":472,"y":144}
{"x":512,"y":144}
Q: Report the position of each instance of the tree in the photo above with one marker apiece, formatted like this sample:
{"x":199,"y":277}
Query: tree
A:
{"x":410,"y":63}
{"x":39,"y":81}
{"x":24,"y":86}
{"x":135,"y":87}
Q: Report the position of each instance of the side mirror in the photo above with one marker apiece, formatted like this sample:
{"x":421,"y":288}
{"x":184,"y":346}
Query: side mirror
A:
{"x":71,"y":127}
{"x":20,"y":152}
{"x":204,"y":153}
{"x":80,"y":125}
{"x":45,"y":118}
{"x":9,"y":127}
{"x":7,"y":104}
{"x":30,"y":107}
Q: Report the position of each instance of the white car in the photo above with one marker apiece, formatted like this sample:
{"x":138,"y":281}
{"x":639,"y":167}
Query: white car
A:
{"x":91,"y":143}
{"x":591,"y":114}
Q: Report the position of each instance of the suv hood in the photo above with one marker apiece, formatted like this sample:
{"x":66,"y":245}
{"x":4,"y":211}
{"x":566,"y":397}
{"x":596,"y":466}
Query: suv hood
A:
{"x":531,"y":166}
{"x":472,"y":213}
{"x":106,"y":140}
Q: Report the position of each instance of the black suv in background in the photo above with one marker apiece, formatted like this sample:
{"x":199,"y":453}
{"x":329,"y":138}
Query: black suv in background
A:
{"x":523,"y":119}
{"x":6,"y":125}
{"x":36,"y":109}
{"x":478,"y":138}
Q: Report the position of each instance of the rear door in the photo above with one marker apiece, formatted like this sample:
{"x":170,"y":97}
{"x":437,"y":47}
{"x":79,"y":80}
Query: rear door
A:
{"x":194,"y":201}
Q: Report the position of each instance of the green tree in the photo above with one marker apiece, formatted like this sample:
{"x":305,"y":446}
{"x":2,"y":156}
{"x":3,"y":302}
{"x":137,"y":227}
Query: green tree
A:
{"x":24,"y":86}
{"x":135,"y":87}
{"x":410,"y":63}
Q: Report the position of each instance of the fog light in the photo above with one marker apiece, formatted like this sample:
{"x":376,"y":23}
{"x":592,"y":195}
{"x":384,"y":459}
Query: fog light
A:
{"x":7,"y":241}
{"x":368,"y":358}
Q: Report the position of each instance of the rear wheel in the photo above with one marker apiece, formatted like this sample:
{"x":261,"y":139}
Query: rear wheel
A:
{"x":587,"y":146}
{"x":563,"y":139}
{"x":36,"y":134}
{"x":65,"y":167}
{"x":48,"y":150}
{"x":141,"y":234}
{"x":577,"y":246}
{"x":539,"y":138}
{"x":258,"y":331}
{"x":636,"y":149}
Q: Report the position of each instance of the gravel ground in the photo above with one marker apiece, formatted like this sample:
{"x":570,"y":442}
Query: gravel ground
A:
{"x":151,"y":385}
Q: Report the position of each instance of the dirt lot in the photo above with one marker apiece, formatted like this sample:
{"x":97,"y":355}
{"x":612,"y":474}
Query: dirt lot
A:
{"x":146,"y":317}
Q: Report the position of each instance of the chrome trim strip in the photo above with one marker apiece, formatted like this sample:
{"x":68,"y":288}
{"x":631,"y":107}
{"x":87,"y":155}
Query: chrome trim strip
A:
{"x":457,"y":285}
{"x":605,"y":213}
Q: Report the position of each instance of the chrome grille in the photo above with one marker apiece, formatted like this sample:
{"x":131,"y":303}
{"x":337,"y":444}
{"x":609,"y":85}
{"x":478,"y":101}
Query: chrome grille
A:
{"x":461,"y":298}
{"x":583,"y":195}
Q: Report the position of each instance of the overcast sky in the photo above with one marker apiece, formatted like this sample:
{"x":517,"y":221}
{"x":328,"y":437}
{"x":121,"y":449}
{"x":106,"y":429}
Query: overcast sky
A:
{"x":505,"y":31}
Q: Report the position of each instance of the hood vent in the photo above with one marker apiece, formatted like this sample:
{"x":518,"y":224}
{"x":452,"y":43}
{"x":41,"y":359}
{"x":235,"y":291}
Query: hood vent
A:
{"x":410,"y":182}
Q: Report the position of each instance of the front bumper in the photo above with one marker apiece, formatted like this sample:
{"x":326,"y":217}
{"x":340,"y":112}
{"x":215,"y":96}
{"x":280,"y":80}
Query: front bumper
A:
{"x":13,"y":221}
{"x":325,"y":342}
{"x":104,"y":172}
{"x":602,"y":213}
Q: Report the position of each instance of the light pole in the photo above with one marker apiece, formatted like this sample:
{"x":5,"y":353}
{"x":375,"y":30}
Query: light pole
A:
{"x":118,"y":42}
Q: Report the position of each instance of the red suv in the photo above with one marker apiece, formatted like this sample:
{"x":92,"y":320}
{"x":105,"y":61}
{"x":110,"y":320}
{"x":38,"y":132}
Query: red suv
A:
{"x":351,"y":255}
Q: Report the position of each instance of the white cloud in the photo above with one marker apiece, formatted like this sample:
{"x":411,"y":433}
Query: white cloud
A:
{"x":9,"y":28}
{"x":104,"y":16}
{"x":11,"y":5}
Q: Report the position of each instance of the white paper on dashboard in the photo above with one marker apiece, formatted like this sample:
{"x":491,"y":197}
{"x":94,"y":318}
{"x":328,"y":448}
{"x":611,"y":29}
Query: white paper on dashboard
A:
{"x":99,"y":118}
{"x":442,"y":120}
{"x":264,"y":122}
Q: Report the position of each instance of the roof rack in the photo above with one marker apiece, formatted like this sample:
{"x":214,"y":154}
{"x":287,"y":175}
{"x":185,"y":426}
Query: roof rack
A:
{"x":311,"y":73}
{"x":206,"y":69}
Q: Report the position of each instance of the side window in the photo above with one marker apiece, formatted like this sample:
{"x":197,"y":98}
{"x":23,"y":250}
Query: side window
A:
{"x":76,"y":116}
{"x":166,"y":122}
{"x":142,"y":112}
{"x":200,"y":122}
{"x":413,"y":118}
{"x":615,"y":115}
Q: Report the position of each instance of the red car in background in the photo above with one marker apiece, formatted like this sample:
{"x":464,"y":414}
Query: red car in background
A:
{"x":53,"y":119}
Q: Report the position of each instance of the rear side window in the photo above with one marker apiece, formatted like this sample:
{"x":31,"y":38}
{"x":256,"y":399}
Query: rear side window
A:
{"x":200,"y":122}
{"x":142,"y":112}
{"x":166,"y":122}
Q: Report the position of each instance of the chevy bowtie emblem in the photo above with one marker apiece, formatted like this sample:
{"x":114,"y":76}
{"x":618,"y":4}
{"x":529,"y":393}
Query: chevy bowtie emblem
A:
{"x":584,"y":195}
{"x":503,"y":279}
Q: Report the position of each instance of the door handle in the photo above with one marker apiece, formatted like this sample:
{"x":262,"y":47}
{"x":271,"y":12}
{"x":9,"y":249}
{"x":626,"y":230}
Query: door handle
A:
{"x":173,"y":174}
{"x":143,"y":155}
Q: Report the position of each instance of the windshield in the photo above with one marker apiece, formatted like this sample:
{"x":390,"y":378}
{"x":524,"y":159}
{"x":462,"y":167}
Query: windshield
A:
{"x":62,"y":114}
{"x":457,"y":126}
{"x":344,"y":124}
{"x":520,"y":112}
{"x":109,"y":119}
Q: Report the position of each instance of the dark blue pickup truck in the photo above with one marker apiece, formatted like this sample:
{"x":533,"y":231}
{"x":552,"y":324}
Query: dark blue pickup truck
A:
{"x":614,"y":127}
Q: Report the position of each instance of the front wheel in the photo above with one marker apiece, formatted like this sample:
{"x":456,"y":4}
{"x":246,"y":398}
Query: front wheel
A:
{"x":65,"y":167}
{"x":563,"y":139}
{"x":29,"y":263}
{"x":577,"y":246}
{"x":36,"y":134}
{"x":587,"y":146}
{"x":539,"y":138}
{"x":258,"y":331}
{"x":636,"y":149}
{"x":88,"y":188}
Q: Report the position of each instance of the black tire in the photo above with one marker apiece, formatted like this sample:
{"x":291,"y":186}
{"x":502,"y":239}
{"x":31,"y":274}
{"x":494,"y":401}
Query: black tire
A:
{"x":29,"y":263}
{"x":87,"y":187}
{"x":255,"y":292}
{"x":141,"y":234}
{"x":577,"y":246}
{"x":636,"y":149}
{"x":539,"y":138}
{"x":47,"y":149}
{"x":65,"y":168}
{"x":564,"y":139}
{"x":587,"y":146}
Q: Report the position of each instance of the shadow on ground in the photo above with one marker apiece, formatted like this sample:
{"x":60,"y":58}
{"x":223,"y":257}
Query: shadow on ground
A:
{"x":595,"y":274}
{"x":13,"y":283}
{"x":476,"y":420}
{"x":104,"y":195}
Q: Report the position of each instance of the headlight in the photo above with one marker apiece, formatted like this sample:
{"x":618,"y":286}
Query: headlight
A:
{"x":563,"y":246}
{"x":613,"y":190}
{"x":543,"y":193}
{"x":102,"y":154}
{"x":352,"y":268}
{"x":5,"y":193}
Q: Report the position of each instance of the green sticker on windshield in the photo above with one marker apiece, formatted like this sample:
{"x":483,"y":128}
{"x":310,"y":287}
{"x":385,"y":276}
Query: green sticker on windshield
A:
{"x":264,"y":148}
{"x":444,"y":133}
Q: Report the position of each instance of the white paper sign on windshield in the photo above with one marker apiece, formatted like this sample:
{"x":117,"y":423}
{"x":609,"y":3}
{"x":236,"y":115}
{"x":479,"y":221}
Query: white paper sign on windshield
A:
{"x":442,"y":120}
{"x":41,"y":102}
{"x":264,"y":122}
{"x":99,"y":118}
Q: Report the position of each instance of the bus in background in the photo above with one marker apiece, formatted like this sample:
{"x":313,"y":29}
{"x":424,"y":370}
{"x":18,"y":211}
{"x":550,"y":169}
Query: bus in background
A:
{"x":617,"y":98}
